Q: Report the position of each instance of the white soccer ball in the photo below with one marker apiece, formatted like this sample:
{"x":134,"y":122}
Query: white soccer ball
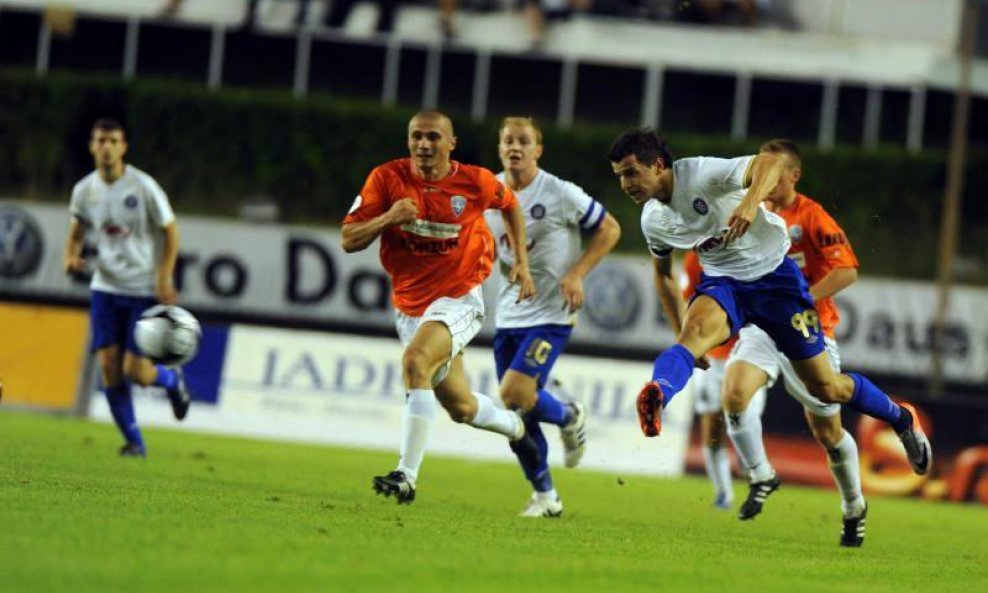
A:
{"x":168,"y":335}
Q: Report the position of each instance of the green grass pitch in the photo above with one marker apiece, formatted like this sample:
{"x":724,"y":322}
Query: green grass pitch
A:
{"x":208,"y":513}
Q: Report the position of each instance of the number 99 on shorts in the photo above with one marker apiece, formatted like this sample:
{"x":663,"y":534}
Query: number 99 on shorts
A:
{"x":805,"y":322}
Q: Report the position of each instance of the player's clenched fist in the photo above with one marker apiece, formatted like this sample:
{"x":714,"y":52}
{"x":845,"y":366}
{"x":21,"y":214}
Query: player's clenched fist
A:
{"x":403,"y":211}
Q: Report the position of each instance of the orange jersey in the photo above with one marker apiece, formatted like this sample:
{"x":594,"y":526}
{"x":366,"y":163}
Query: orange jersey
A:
{"x":691,"y":271}
{"x":819,"y":245}
{"x":448,"y":250}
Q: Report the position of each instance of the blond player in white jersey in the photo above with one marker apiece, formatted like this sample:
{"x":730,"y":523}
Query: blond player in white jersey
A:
{"x":531,"y":335}
{"x":714,"y":206}
{"x":137,"y":241}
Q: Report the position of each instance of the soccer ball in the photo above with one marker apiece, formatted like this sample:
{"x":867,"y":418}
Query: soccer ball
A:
{"x":168,"y":335}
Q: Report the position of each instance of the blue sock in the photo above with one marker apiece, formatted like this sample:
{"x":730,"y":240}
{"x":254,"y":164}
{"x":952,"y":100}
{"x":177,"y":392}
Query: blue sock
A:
{"x":549,"y":409}
{"x":872,"y":401}
{"x":536,"y":470}
{"x":672,"y":369}
{"x":122,"y":408}
{"x":166,"y":378}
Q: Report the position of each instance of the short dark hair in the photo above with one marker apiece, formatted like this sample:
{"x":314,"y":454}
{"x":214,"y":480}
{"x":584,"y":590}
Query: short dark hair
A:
{"x":786,"y":147}
{"x":108,"y":124}
{"x":645,"y":143}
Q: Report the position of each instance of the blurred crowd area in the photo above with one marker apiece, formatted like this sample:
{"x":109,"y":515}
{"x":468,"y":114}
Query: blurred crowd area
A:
{"x":539,"y":14}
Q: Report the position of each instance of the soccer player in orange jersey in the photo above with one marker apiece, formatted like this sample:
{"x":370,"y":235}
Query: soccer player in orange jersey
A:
{"x":707,"y":388}
{"x":823,"y":253}
{"x":428,"y":212}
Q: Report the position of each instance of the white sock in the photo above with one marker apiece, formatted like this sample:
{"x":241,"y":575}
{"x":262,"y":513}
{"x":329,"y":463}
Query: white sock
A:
{"x":745,"y":430}
{"x":844,"y":465}
{"x":719,"y":470}
{"x":548,"y":495}
{"x":491,"y":417}
{"x":416,"y":426}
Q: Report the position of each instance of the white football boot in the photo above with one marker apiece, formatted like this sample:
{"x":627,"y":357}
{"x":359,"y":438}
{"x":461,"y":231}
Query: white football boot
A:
{"x":543,"y":506}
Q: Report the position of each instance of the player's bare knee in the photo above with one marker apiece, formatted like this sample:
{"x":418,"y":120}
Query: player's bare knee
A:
{"x":734,"y":399}
{"x":415,"y":366}
{"x":111,"y":372}
{"x":518,"y":395}
{"x":828,"y":434}
{"x":827,"y":392}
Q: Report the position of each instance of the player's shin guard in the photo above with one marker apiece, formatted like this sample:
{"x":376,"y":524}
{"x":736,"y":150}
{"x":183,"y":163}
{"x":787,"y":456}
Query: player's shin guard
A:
{"x":745,"y":431}
{"x":718,"y":465}
{"x":845,"y":467}
{"x":495,"y":419}
{"x":872,"y":401}
{"x":416,"y":426}
{"x":672,"y":369}
{"x":535,"y":467}
{"x":122,"y":409}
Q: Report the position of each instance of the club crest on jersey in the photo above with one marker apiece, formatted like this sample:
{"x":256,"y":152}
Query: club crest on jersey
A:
{"x":796,"y":233}
{"x":700,"y":206}
{"x":459,"y":204}
{"x":130,"y":201}
{"x":537,"y":211}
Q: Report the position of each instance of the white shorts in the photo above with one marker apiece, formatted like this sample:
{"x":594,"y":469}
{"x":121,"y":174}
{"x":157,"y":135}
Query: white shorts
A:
{"x":757,"y":348}
{"x":464,"y":316}
{"x":708,"y":389}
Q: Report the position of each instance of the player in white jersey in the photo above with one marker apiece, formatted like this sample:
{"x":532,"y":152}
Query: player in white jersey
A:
{"x":531,"y":336}
{"x":137,"y":243}
{"x":714,"y":206}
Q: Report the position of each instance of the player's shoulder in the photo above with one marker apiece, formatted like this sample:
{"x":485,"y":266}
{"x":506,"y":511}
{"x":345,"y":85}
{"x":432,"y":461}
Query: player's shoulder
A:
{"x":557,"y":184}
{"x":476,"y":173}
{"x":652,"y":212}
{"x":85,"y":183}
{"x":142,"y":178}
{"x":810,"y":209}
{"x":391,"y":169}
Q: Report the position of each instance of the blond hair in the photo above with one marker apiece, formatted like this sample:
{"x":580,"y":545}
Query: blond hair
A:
{"x":516,"y":120}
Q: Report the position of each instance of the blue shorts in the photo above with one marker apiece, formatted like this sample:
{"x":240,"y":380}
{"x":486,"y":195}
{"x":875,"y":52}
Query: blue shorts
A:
{"x":112,"y":318}
{"x":530,"y":350}
{"x":778,"y":302}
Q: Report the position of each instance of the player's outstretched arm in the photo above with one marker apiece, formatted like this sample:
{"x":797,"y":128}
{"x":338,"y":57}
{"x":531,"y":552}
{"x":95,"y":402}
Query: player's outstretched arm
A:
{"x":514,"y":224}
{"x":358,"y":235}
{"x":601,"y":243}
{"x":164,"y":288}
{"x":763,"y":175}
{"x":73,"y":247}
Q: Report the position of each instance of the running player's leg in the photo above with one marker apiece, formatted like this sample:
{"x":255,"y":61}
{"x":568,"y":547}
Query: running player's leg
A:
{"x":523,"y":386}
{"x":782,"y":306}
{"x":525,"y":358}
{"x":109,"y":327}
{"x":706,"y":325}
{"x":476,"y":409}
{"x":860,"y":394}
{"x":748,"y":374}
{"x":842,"y":451}
{"x":708,"y":389}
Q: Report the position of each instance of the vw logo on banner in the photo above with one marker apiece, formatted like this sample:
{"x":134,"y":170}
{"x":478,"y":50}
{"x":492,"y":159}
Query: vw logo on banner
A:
{"x":613,"y":300}
{"x":21,"y":243}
